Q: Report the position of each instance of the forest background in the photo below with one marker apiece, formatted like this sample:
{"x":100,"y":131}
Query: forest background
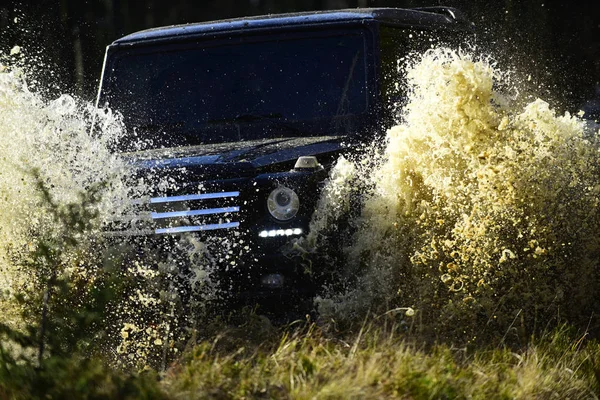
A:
{"x":556,"y":43}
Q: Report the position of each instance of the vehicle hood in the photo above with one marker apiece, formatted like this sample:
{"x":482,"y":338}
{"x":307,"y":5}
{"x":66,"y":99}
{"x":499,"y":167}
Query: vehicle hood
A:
{"x":254,"y":154}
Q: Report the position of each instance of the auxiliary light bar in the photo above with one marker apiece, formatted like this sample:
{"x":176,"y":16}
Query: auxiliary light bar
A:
{"x":280,"y":232}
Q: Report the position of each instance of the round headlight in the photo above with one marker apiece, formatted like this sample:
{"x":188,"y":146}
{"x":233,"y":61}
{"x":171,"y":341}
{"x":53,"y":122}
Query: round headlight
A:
{"x":283,"y":203}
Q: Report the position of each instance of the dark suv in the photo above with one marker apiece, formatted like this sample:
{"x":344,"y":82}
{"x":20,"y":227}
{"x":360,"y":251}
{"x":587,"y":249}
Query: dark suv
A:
{"x":235,"y":123}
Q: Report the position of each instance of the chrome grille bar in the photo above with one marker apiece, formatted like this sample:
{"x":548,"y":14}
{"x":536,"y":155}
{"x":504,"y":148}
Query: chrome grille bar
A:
{"x":195,"y":212}
{"x":197,"y":228}
{"x":190,"y":197}
{"x":191,"y":213}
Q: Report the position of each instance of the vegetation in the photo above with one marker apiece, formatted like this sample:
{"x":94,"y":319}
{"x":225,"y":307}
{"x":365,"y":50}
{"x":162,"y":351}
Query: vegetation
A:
{"x":70,"y":36}
{"x":377,"y":362}
{"x":65,"y":344}
{"x":54,"y":353}
{"x":57,"y":354}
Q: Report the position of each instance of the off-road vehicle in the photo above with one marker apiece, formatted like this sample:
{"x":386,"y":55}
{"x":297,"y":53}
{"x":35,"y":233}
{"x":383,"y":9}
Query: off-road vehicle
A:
{"x":234,"y":124}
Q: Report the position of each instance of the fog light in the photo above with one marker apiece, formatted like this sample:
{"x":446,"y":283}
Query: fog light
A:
{"x":272,"y":281}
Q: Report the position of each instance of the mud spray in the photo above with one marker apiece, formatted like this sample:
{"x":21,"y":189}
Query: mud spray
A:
{"x":481,"y":216}
{"x":479,"y":213}
{"x":48,"y":145}
{"x":50,"y":138}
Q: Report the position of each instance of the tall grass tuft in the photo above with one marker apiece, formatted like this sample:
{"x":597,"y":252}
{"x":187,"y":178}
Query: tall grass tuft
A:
{"x":380,"y":362}
{"x":54,"y":353}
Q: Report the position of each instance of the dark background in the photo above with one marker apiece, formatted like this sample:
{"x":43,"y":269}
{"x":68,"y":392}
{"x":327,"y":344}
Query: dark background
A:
{"x":555,"y":42}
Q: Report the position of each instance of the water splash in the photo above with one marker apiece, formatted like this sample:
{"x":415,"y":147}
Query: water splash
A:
{"x":480,"y":210}
{"x":52,"y":138}
{"x":52,"y":141}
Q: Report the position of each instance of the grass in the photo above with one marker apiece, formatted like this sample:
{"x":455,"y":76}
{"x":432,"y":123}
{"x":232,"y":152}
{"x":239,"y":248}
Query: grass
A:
{"x":257,"y":361}
{"x":56,"y":355}
{"x":378,"y":362}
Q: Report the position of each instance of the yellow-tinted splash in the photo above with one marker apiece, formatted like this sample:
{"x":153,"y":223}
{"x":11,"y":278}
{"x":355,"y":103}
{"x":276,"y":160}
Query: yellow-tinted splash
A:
{"x":50,"y":139}
{"x":480,"y":212}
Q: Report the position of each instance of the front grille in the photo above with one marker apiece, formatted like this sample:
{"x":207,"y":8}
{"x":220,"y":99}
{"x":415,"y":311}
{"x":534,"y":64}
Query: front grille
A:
{"x":180,"y":214}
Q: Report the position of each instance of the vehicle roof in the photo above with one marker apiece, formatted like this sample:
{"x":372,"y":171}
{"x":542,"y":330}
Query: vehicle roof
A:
{"x":427,"y":17}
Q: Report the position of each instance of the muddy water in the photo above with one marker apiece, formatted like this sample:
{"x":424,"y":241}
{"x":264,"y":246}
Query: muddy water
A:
{"x":49,"y":143}
{"x":52,"y":138}
{"x":481,"y":212}
{"x":478,"y":212}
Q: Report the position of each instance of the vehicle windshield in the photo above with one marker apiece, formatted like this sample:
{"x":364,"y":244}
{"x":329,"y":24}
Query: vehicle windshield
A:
{"x":239,"y":90}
